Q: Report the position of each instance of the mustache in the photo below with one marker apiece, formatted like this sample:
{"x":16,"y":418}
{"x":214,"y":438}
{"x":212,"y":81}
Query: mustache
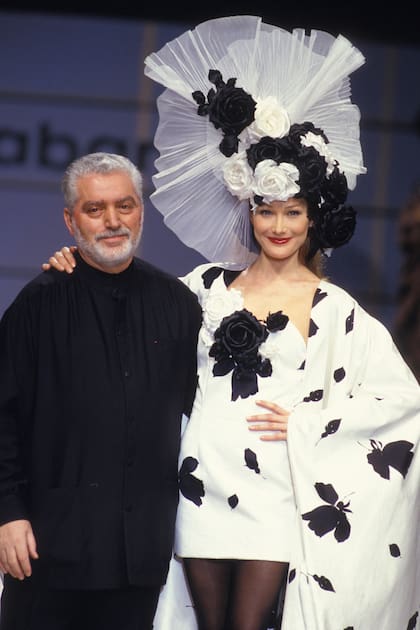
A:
{"x":110,"y":233}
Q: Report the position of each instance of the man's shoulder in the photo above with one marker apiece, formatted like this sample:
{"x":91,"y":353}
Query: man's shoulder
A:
{"x":157,"y":276}
{"x":42,"y":281}
{"x":165,"y":289}
{"x":30,"y":296}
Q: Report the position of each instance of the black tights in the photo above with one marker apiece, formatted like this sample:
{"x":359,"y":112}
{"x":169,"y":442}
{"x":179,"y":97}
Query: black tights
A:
{"x":234,"y":594}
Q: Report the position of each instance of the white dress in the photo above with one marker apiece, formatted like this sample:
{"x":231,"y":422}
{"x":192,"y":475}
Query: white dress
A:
{"x":236,"y":497}
{"x":354,"y":465}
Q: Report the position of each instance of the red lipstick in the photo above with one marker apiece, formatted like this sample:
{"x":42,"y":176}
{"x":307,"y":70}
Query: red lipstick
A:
{"x":279,"y":241}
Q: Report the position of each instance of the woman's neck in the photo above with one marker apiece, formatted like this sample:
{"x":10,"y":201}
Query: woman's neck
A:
{"x":265,"y":270}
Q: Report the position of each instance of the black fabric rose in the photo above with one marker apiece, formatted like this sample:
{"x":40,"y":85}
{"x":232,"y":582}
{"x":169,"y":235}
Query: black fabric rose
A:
{"x":229,"y":108}
{"x":229,"y":145}
{"x":276,"y":321}
{"x":300,"y":129}
{"x":334,"y":228}
{"x":268,"y":148}
{"x":312,"y":170}
{"x":335,"y":189}
{"x":235,"y":349}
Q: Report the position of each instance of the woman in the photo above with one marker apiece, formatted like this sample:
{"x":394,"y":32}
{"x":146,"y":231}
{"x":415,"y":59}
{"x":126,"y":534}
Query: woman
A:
{"x":301,"y":448}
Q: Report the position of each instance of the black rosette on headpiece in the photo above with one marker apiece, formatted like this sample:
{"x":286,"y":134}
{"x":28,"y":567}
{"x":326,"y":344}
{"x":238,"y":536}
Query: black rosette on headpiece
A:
{"x":333,"y":227}
{"x":276,"y":149}
{"x":333,"y":223}
{"x":229,"y":108}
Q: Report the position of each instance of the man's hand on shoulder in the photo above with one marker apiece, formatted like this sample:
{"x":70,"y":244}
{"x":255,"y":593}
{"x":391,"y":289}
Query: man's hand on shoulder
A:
{"x":17,"y":547}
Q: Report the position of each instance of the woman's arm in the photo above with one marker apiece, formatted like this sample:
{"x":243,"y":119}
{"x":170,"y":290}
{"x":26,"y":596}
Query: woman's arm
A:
{"x":62,"y":260}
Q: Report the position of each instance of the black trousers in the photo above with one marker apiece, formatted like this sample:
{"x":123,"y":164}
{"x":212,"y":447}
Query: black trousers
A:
{"x":30,"y":605}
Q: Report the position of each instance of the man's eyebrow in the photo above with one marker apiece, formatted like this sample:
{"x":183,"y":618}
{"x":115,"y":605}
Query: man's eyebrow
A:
{"x":93,"y":202}
{"x":102,"y":202}
{"x":127,"y":198}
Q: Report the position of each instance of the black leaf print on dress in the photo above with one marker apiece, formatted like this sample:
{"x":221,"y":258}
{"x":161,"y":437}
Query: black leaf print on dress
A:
{"x":314,"y":396}
{"x":350,"y":322}
{"x":331,"y":428}
{"x":324,"y":583}
{"x":412,"y":623}
{"x":236,"y":348}
{"x":339,"y":374}
{"x":394,"y":550}
{"x":313,"y":328}
{"x":251,"y":460}
{"x":327,"y":518}
{"x":319,"y":295}
{"x":210,"y":275}
{"x":302,"y":366}
{"x":233,"y":501}
{"x":292,"y":575}
{"x":397,"y":455}
{"x":349,"y":628}
{"x":190,"y":487}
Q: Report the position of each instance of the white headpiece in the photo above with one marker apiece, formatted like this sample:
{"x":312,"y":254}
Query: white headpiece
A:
{"x":254,"y":113}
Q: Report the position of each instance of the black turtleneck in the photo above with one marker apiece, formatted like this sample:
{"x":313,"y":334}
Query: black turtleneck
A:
{"x":96,"y":370}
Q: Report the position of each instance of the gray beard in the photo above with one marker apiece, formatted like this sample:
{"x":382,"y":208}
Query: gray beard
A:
{"x":105,"y":257}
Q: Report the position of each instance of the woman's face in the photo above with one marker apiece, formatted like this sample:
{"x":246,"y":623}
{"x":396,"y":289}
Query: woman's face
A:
{"x":281,"y":227}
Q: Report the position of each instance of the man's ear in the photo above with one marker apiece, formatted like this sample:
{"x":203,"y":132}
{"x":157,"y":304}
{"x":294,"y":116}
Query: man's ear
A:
{"x":67,"y":220}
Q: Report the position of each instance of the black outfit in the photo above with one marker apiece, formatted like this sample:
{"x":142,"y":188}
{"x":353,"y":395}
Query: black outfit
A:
{"x":29,"y":605}
{"x":96,"y":370}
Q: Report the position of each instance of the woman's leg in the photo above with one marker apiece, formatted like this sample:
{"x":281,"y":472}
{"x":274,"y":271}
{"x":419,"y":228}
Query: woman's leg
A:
{"x":209,"y":582}
{"x":234,"y":594}
{"x":255,"y":591}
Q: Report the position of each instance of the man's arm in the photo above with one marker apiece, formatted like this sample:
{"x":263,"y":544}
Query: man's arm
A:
{"x":17,"y":541}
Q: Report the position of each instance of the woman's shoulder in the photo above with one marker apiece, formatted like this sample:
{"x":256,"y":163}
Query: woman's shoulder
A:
{"x":202,"y":277}
{"x":337,"y":293}
{"x":335,"y":304}
{"x":343,"y":303}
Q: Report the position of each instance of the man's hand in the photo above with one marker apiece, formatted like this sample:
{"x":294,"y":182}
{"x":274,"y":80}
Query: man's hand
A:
{"x":17,"y":547}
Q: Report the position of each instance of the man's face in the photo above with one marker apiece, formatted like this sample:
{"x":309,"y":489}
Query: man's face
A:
{"x":106,"y":221}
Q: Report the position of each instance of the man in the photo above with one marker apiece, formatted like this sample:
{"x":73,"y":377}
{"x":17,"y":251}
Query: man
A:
{"x":96,"y":370}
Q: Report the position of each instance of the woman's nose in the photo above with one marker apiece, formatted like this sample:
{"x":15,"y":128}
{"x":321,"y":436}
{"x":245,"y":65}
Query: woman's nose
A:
{"x":278,"y":224}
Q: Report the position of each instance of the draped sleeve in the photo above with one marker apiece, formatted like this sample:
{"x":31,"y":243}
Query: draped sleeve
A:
{"x":353,"y":448}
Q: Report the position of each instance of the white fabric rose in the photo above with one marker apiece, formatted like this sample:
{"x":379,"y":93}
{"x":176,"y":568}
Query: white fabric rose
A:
{"x":316,"y":141}
{"x":218,"y":304}
{"x":270,"y":119}
{"x":238,"y":176}
{"x":275,"y":182}
{"x":272,"y":347}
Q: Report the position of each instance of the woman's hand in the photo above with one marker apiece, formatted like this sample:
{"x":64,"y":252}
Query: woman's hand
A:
{"x":274,"y":424}
{"x":62,"y":260}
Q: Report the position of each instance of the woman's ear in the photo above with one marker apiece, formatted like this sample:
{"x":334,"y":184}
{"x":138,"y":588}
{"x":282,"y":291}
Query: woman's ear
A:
{"x":251,"y":215}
